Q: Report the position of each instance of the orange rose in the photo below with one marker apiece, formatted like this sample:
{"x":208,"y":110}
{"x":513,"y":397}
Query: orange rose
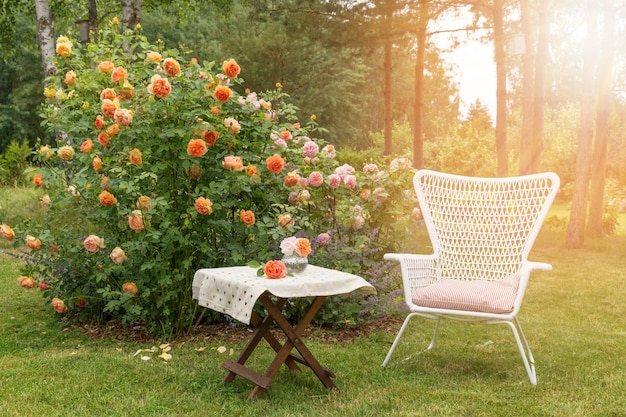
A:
{"x":127,"y":91}
{"x":303,"y":247}
{"x":291,"y":179}
{"x":38,"y":180}
{"x":204,"y":205}
{"x":97,"y":164}
{"x":117,"y":255}
{"x":58,"y":305}
{"x":275,"y":269}
{"x":171,"y":67}
{"x":93,"y":243}
{"x":194,"y":171}
{"x":7,"y":232}
{"x":123,"y":116}
{"x":64,"y":49}
{"x":118,"y":74}
{"x":275,"y":163}
{"x":196,"y":147}
{"x":99,"y":121}
{"x":234,"y":163}
{"x":130,"y":287}
{"x":210,"y":136}
{"x":109,"y":106}
{"x":106,"y":66}
{"x":136,"y":221}
{"x":27,"y":282}
{"x":222,"y":93}
{"x":251,"y":170}
{"x":107,"y":199}
{"x":114,"y":129}
{"x":231,"y":68}
{"x":32,"y":242}
{"x":154,"y":57}
{"x":103,"y":183}
{"x":143,"y":203}
{"x":70,"y":78}
{"x":108,"y":93}
{"x":285,"y":220}
{"x":104,"y":139}
{"x":86,"y":146}
{"x":215,"y":110}
{"x":135,"y":156}
{"x":159,"y":86}
{"x":247,"y":217}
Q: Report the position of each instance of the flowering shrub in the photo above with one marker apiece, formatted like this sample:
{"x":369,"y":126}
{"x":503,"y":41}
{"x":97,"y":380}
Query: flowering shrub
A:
{"x":162,"y":167}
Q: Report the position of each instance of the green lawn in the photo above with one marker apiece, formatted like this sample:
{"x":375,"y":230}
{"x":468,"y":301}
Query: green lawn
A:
{"x":574,"y":318}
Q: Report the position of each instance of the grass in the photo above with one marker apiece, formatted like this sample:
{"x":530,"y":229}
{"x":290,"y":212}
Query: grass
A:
{"x":573,"y":316}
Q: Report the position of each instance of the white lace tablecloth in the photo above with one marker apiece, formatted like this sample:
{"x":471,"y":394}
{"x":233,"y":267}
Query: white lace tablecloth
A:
{"x":234,"y":290}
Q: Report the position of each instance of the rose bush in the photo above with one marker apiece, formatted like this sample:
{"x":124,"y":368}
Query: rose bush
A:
{"x":164,"y":165}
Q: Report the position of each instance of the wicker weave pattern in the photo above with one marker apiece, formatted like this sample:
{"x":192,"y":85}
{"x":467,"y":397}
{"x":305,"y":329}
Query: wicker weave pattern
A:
{"x":482,"y":228}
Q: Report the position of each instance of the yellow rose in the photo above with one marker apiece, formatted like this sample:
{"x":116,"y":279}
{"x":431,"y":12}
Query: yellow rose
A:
{"x":66,"y":152}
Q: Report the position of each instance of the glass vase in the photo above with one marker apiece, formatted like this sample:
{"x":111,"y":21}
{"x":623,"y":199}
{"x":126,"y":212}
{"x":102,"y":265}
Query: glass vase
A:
{"x":295,"y":263}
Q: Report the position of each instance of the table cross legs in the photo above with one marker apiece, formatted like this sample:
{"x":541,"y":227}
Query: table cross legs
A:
{"x":283,"y":352}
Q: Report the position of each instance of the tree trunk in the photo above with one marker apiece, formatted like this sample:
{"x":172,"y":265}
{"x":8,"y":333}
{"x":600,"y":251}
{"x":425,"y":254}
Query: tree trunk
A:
{"x":498,"y":30}
{"x":45,"y":36}
{"x":576,"y":228}
{"x":528,"y":65}
{"x":595,"y":227}
{"x":131,"y":13}
{"x":93,"y":20}
{"x":539,"y":102}
{"x":387,"y":62}
{"x":418,"y":105}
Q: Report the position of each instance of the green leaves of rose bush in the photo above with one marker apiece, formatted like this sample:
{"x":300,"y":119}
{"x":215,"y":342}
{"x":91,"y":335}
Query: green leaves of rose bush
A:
{"x":177,"y":240}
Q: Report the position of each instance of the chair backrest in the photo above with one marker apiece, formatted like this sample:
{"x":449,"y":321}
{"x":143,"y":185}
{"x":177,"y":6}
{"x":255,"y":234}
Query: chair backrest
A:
{"x":483,"y":228}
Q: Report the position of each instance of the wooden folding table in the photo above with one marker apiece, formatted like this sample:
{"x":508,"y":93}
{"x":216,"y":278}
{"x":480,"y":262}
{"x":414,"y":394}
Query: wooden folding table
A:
{"x":235,"y":290}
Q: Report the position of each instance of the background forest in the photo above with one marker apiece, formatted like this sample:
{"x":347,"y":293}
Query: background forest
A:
{"x":375,"y":76}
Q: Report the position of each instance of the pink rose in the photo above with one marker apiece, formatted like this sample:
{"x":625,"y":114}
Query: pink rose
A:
{"x":316,"y":179}
{"x":380,"y":195}
{"x":334,"y":180}
{"x":323,"y":239}
{"x":350,"y":181}
{"x":310,"y":149}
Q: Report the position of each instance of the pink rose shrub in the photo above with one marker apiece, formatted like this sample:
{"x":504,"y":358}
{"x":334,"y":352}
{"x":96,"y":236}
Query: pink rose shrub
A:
{"x":184,"y":173}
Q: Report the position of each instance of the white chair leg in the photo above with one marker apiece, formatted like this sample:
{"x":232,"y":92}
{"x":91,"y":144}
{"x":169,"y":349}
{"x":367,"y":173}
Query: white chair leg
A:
{"x":432,"y":342}
{"x":397,"y":339}
{"x":524,"y":349}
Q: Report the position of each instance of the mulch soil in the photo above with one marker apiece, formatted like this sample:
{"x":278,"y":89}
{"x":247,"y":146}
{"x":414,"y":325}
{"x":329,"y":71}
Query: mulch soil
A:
{"x":235,"y":333}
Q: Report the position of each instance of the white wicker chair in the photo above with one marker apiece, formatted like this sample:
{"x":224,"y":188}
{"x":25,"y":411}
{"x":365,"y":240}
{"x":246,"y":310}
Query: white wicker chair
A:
{"x":481,"y":230}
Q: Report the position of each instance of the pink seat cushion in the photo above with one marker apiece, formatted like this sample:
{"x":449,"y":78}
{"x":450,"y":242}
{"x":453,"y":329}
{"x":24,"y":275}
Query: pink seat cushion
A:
{"x":481,"y":296}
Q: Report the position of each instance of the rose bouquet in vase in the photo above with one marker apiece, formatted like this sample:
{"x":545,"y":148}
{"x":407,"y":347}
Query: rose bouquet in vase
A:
{"x":295,"y":251}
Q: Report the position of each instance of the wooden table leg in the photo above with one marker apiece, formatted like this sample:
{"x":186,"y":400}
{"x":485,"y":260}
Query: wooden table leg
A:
{"x":293,"y":340}
{"x":262,"y":331}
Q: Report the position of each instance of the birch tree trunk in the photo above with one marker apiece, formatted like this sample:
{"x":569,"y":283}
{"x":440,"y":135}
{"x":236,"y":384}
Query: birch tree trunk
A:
{"x":45,"y":36}
{"x":576,"y":228}
{"x":595,"y":227}
{"x":131,"y":13}
{"x":500,"y":58}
